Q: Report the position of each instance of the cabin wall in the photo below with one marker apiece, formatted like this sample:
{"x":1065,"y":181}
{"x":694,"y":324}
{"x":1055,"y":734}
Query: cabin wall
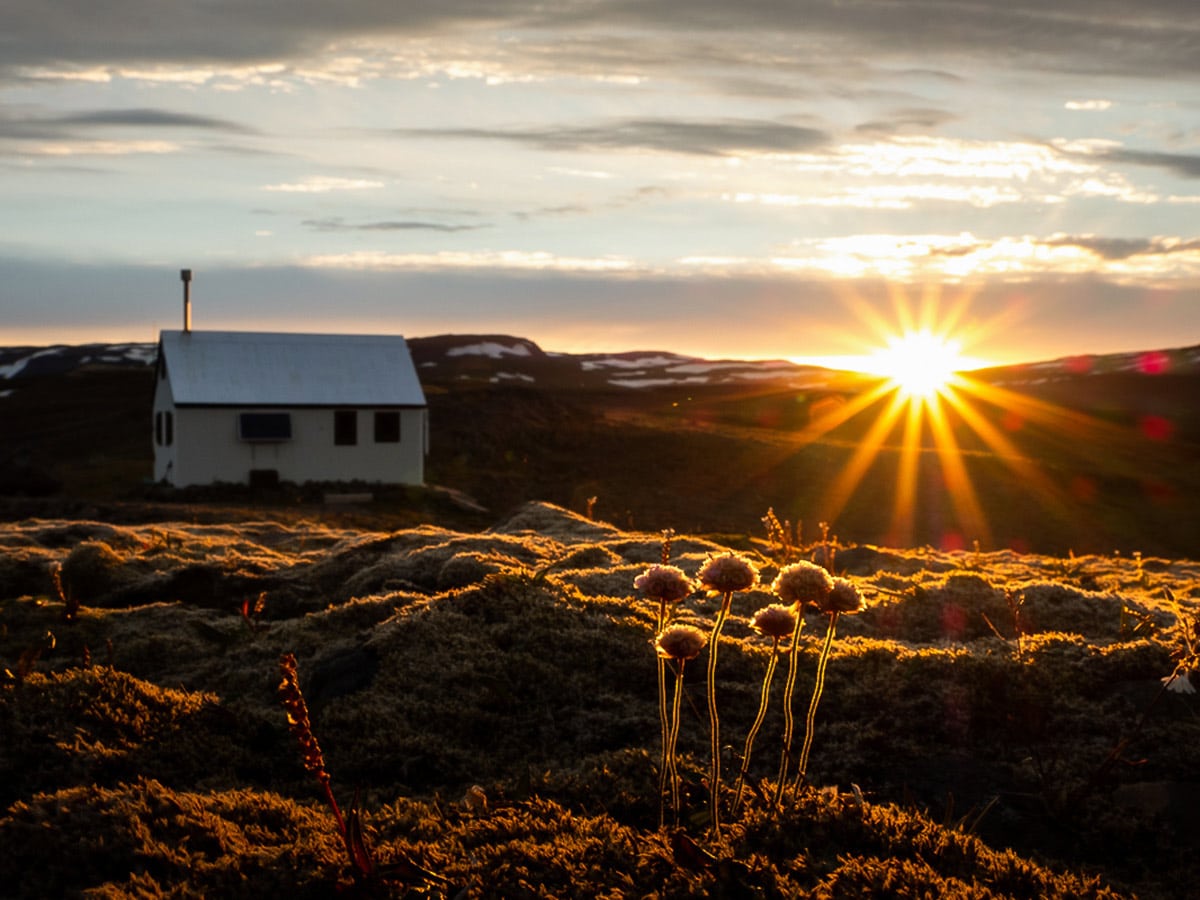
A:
{"x":207,"y":448}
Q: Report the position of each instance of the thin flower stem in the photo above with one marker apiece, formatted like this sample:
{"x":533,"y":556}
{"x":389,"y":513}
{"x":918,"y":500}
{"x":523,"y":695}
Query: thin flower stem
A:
{"x":672,"y":740}
{"x":758,"y":720}
{"x":662,"y":716}
{"x":714,"y":777}
{"x":818,"y":688}
{"x":789,"y":719}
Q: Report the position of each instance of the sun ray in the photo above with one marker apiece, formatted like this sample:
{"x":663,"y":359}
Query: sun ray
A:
{"x":997,"y":441}
{"x":848,"y":479}
{"x":827,"y":422}
{"x":982,"y":442}
{"x":958,"y":482}
{"x":900,"y":528}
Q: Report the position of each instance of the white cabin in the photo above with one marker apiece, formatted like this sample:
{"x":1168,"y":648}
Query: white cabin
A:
{"x":257,"y":408}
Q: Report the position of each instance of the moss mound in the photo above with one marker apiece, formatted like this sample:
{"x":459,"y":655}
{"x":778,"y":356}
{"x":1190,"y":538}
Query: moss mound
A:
{"x":992,"y":725}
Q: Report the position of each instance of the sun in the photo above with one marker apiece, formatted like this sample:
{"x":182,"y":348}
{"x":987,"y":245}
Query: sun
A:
{"x":920,"y":364}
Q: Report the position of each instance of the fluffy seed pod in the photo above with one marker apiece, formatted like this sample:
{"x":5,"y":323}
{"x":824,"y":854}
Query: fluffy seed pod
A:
{"x":681,"y":642}
{"x":803,"y":583}
{"x":727,"y":574}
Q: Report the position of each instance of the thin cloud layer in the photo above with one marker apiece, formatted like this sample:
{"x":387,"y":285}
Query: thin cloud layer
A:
{"x":338,"y":224}
{"x":1185,"y":165}
{"x":715,"y":138}
{"x":1155,"y":38}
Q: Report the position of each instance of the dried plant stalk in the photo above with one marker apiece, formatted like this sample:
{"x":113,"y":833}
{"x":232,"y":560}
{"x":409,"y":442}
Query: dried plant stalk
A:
{"x":301,"y":728}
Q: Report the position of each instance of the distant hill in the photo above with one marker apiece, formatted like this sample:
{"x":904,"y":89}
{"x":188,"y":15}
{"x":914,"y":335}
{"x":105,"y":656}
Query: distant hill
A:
{"x":490,"y":358}
{"x":505,"y":359}
{"x":18,"y":363}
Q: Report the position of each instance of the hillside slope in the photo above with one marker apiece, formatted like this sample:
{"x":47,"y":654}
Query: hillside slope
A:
{"x":491,"y":698}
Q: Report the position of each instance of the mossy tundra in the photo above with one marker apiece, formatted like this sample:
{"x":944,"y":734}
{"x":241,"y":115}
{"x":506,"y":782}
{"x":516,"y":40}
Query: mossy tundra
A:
{"x":992,"y":724}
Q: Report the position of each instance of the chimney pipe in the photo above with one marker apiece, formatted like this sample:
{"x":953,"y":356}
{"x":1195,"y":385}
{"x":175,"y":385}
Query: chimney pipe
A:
{"x":186,"y":276}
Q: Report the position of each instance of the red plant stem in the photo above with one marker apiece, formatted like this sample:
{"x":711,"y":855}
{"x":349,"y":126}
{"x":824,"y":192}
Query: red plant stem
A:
{"x":323,"y":778}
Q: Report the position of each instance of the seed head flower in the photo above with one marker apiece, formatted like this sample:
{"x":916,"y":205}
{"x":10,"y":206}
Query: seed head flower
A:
{"x":665,"y":583}
{"x":844,"y":598}
{"x":681,"y":642}
{"x":803,"y":583}
{"x":723,"y":574}
{"x":668,"y":585}
{"x":775,"y":621}
{"x":727,"y":574}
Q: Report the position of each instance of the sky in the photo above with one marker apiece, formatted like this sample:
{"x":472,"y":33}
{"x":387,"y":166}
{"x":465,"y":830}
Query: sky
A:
{"x":767,"y":178}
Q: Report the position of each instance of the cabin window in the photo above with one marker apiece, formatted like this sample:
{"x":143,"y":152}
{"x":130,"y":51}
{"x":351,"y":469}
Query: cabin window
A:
{"x":265,"y":427}
{"x":164,"y":428}
{"x":345,"y":427}
{"x":387,"y":427}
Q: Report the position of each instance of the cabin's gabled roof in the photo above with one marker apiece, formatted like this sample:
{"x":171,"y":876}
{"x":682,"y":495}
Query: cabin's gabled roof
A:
{"x":238,"y":368}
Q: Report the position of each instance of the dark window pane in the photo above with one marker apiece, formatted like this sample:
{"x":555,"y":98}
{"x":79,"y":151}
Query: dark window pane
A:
{"x":345,"y":427}
{"x":387,"y":427}
{"x":158,"y":428}
{"x":265,"y":427}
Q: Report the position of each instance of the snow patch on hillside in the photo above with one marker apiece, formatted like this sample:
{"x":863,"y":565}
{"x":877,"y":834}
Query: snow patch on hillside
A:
{"x":633,"y":362}
{"x":490,"y":349}
{"x":13,"y":369}
{"x":657,"y":382}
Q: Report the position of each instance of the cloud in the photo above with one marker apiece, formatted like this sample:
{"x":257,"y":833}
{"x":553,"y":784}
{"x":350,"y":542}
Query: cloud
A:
{"x":79,"y":32}
{"x":1186,"y":165}
{"x":966,"y":258}
{"x":907,"y":120}
{"x":1147,"y":39}
{"x":1124,"y":248}
{"x":645,"y":194}
{"x":890,"y":196}
{"x":484,"y":260}
{"x":323,"y":184}
{"x":104,"y":148}
{"x":338,"y":224}
{"x":721,"y":137}
{"x":32,"y":134}
{"x":146,"y":118}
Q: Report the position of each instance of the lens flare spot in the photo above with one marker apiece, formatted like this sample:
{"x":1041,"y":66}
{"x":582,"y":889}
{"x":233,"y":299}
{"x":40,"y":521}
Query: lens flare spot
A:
{"x":1083,"y":488}
{"x":1154,"y":362}
{"x":1012,"y":421}
{"x":1156,"y":428}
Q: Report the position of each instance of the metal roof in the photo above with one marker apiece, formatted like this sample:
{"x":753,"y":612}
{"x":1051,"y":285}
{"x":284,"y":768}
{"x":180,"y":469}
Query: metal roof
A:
{"x":217,"y":368}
